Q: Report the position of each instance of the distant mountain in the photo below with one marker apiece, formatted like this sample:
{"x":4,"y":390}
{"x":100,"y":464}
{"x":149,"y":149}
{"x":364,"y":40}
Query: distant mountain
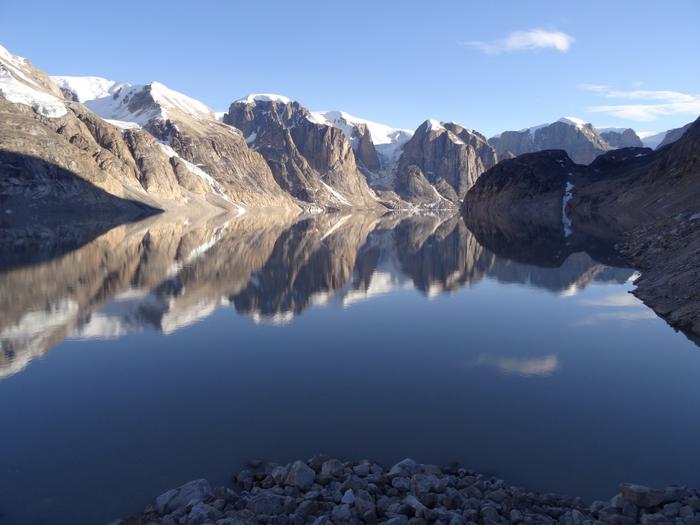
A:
{"x":580,"y":140}
{"x":658,"y":140}
{"x":672,"y":135}
{"x":620,"y":137}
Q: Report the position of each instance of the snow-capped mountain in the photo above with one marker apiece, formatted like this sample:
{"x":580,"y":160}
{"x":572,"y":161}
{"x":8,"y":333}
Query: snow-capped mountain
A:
{"x":126,"y":105}
{"x":579,"y":139}
{"x":22,"y":83}
{"x":365,"y":135}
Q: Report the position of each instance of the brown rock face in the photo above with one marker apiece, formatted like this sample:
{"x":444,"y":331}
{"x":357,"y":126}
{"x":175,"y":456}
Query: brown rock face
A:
{"x":447,"y":157}
{"x":239,"y":174}
{"x":365,"y":151}
{"x":45,"y":171}
{"x":581,"y":142}
{"x":309,"y":158}
{"x":61,"y":155}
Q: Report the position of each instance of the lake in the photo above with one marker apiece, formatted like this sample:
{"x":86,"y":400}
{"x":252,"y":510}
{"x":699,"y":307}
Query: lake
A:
{"x":153,"y":353}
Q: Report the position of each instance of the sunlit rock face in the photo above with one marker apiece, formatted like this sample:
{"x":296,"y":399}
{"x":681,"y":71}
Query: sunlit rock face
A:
{"x":440,"y":163}
{"x":310,"y":158}
{"x":580,"y":140}
{"x":167,"y":272}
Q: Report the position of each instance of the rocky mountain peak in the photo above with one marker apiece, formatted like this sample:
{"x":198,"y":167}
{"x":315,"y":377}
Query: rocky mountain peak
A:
{"x":310,"y":157}
{"x":579,"y":139}
{"x":447,"y":156}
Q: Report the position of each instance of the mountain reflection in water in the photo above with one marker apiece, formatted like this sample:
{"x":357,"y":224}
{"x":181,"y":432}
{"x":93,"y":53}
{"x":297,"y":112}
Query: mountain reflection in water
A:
{"x":166,"y":273}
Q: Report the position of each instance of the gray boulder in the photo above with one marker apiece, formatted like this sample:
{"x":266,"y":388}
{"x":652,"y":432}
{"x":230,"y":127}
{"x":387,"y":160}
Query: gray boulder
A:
{"x":193,"y":491}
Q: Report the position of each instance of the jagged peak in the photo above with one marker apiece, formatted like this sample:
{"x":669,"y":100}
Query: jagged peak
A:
{"x":434,"y":125}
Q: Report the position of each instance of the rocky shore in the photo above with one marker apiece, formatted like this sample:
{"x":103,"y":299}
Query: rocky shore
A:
{"x":667,"y":255}
{"x":324,"y":491}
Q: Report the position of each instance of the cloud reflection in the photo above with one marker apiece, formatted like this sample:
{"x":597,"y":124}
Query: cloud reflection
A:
{"x":541,"y":366}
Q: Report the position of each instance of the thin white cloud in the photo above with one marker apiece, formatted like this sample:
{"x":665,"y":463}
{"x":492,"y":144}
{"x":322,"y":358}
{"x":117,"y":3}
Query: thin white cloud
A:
{"x":656,"y":103}
{"x":524,"y":41}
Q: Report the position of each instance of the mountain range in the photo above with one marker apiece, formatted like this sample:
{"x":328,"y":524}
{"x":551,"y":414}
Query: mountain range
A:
{"x":91,"y":145}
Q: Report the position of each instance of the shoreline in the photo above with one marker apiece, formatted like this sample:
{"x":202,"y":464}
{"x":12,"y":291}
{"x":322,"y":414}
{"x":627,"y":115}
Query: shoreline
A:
{"x":325,"y":491}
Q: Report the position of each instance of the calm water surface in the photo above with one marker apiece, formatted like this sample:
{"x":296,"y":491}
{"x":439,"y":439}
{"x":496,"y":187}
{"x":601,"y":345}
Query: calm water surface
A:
{"x":169,"y":350}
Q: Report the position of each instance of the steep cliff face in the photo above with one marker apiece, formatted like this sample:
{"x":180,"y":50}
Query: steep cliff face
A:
{"x":311,"y":159}
{"x":529,"y":188}
{"x":441,"y":162}
{"x":580,"y":140}
{"x":57,"y":152}
{"x":211,"y":158}
{"x":620,"y":137}
{"x":377,"y":146}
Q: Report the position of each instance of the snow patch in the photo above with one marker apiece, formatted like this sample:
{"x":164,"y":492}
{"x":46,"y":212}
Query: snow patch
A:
{"x":139,"y":104}
{"x":263,"y":97}
{"x":89,"y":88}
{"x":199,"y":172}
{"x":573,"y":121}
{"x":565,"y":219}
{"x":434,"y":125}
{"x":336,"y":194}
{"x":17,"y":87}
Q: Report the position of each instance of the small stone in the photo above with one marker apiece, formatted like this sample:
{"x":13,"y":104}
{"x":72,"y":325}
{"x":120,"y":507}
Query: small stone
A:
{"x":404,"y":468}
{"x":397,"y":520}
{"x":643,"y":497}
{"x":279,"y":474}
{"x":300,"y":475}
{"x":497,"y":495}
{"x":331,"y":469}
{"x":348,"y":497}
{"x":401,"y":483}
{"x":342,"y":512}
{"x":671,"y":510}
{"x":361,"y":470}
{"x":191,"y":492}
{"x":266,"y":502}
{"x":200,"y":513}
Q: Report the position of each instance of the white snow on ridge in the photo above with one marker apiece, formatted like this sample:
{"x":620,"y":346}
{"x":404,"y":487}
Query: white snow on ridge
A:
{"x":388,"y":141}
{"x":264,"y":97}
{"x":381,"y":133}
{"x":89,"y":88}
{"x":434,"y":125}
{"x":574,"y":121}
{"x":19,"y":88}
{"x":113,"y":100}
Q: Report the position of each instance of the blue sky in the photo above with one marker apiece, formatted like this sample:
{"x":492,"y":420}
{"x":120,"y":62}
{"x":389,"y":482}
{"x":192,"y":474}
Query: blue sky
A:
{"x":488,"y":65}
